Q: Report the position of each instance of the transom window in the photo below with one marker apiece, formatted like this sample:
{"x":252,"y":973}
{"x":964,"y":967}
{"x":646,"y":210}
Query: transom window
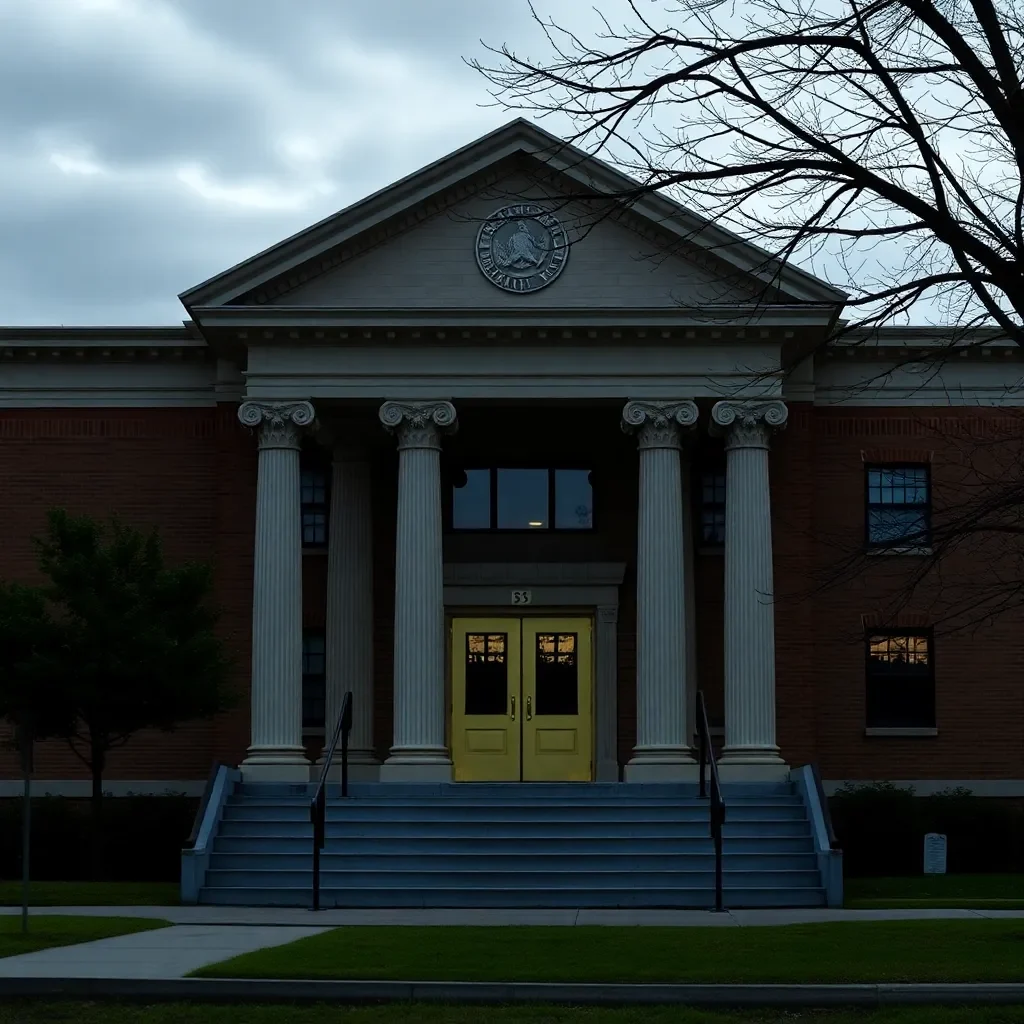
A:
{"x":898,"y":506}
{"x":900,"y":680}
{"x":314,"y":679}
{"x":313,"y":482}
{"x":495,"y":498}
{"x":712,"y":506}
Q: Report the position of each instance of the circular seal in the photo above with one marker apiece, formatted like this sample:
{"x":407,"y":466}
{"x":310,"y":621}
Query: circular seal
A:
{"x":521,"y":248}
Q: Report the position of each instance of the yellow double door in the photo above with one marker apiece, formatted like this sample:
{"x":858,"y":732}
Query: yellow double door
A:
{"x":521,"y":699}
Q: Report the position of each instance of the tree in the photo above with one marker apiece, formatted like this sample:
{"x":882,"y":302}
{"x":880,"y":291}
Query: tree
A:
{"x":29,"y":698}
{"x":879,"y":144}
{"x":138,"y":643}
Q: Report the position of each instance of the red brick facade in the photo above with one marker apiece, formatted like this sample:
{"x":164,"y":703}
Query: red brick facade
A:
{"x":192,"y":473}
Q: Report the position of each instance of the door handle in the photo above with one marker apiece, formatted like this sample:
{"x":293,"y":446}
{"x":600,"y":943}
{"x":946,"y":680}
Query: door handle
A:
{"x":529,"y":709}
{"x":513,"y":709}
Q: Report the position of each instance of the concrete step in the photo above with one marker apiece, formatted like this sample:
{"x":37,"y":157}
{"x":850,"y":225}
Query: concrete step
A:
{"x":515,"y":845}
{"x":261,"y":860}
{"x":699,"y":898}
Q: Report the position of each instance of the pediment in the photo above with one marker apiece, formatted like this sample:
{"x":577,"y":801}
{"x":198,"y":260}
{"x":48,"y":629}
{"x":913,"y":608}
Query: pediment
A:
{"x":415,"y":245}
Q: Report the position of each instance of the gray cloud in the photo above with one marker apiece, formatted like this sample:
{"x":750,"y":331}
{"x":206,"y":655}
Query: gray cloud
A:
{"x":151,"y":143}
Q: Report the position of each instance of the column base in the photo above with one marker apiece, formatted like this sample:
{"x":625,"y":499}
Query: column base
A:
{"x":275,"y":764}
{"x":432,"y":765}
{"x":752,"y":765}
{"x":661,"y":764}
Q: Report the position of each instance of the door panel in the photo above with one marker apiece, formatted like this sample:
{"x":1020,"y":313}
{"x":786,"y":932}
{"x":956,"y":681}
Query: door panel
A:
{"x":557,"y":693}
{"x":486,"y":701}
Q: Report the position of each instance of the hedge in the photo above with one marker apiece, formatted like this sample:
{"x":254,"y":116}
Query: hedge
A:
{"x":143,"y":837}
{"x":881,"y":829}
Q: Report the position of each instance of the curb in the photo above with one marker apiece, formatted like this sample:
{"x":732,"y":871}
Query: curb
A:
{"x":289,"y":991}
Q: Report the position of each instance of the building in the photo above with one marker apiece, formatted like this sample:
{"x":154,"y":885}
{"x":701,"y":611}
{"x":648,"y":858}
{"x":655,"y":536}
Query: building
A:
{"x":517,"y":467}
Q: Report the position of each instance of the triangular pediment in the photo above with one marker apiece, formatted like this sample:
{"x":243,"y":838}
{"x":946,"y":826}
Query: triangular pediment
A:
{"x":432,"y":241}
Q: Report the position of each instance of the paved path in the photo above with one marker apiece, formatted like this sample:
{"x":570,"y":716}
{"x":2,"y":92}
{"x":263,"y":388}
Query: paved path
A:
{"x":293,"y":916}
{"x":162,"y":953}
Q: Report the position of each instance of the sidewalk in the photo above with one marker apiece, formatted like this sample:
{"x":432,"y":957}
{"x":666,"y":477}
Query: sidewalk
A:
{"x":294,"y":916}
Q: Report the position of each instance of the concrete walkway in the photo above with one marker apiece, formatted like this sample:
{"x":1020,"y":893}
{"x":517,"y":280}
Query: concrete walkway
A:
{"x":162,"y":953}
{"x":292,"y":916}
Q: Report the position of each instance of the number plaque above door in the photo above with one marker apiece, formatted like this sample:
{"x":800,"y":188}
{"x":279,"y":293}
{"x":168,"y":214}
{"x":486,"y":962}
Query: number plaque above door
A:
{"x":522,"y":597}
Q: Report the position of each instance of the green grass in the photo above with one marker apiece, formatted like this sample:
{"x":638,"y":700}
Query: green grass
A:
{"x":48,"y":930}
{"x":92,"y":894}
{"x":422,"y":1013}
{"x":882,"y":951}
{"x":972,"y":892}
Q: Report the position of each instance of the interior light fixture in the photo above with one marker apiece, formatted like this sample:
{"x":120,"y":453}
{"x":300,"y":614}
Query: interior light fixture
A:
{"x":535,"y":522}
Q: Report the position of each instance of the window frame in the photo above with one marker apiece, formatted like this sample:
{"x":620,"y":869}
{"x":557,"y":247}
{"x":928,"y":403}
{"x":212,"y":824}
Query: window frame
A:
{"x":928,"y":633}
{"x":313,"y":507}
{"x":718,"y":469}
{"x":492,"y":469}
{"x":920,"y":543}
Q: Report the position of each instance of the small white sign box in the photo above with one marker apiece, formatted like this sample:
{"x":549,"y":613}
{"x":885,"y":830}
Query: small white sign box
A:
{"x":934,"y":854}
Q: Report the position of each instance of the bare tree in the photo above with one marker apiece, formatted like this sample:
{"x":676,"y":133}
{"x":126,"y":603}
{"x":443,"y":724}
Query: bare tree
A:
{"x":879,"y":144}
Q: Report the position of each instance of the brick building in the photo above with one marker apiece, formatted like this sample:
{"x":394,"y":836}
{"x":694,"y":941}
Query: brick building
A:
{"x":519,"y":469}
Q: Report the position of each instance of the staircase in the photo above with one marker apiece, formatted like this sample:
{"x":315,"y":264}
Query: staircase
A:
{"x":514,"y":845}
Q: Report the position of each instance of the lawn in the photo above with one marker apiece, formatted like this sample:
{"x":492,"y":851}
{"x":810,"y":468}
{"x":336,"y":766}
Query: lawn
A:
{"x":48,"y":930}
{"x":422,"y":1013}
{"x":92,"y":894}
{"x":973,"y":892}
{"x":882,"y":951}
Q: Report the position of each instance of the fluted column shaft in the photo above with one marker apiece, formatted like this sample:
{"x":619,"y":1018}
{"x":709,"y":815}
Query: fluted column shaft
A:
{"x":419,"y":752}
{"x":276,"y":751}
{"x":662,"y":744}
{"x":349,"y":633}
{"x":749,"y":586}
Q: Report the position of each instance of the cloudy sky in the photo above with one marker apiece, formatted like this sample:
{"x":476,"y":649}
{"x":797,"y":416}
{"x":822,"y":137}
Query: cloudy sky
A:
{"x":147,"y":144}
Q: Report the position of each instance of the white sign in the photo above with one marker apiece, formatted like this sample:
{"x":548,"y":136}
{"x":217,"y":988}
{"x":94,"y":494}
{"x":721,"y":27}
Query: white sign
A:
{"x":934,"y":854}
{"x":522,"y":597}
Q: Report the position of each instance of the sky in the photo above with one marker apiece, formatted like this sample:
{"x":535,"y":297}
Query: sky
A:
{"x":146,"y":145}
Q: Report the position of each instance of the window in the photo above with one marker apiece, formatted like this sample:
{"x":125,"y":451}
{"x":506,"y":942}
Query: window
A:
{"x":313,"y":482}
{"x":898,"y":506}
{"x":900,"y":681}
{"x":523,"y":499}
{"x":712,"y":506}
{"x":314,"y":679}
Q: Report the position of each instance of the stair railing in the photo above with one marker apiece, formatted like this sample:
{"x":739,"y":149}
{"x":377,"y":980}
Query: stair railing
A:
{"x":318,"y":805}
{"x":716,"y":808}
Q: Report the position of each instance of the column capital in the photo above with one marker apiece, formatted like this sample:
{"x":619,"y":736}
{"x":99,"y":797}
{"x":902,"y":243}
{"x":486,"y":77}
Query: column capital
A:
{"x":748,"y":424}
{"x":658,"y":424}
{"x":280,"y":423}
{"x":418,"y":424}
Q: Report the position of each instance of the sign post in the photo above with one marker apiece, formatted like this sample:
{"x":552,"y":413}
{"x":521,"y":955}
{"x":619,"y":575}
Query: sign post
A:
{"x":934,"y":854}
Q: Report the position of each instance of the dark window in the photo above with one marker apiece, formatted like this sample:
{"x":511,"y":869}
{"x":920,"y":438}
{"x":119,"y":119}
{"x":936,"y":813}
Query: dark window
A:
{"x":557,"y":674}
{"x":314,"y":507}
{"x":900,"y":681}
{"x":486,"y":673}
{"x":523,"y":499}
{"x":898,"y":506}
{"x":314,"y":679}
{"x":712,"y":506}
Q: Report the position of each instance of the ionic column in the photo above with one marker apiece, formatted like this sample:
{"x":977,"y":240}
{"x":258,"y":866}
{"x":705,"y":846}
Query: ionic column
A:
{"x":662,"y":749}
{"x":276,"y":752}
{"x":750,"y":751}
{"x":349,"y":632}
{"x":419,"y":753}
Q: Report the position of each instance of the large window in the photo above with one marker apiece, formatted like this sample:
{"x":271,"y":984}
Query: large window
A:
{"x":898,"y":506}
{"x":900,"y":681}
{"x":712,"y":507}
{"x":522,"y":499}
{"x":314,"y":679}
{"x":313,"y":481}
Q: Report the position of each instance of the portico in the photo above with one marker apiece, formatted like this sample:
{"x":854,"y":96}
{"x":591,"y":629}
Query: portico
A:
{"x":466,"y":326}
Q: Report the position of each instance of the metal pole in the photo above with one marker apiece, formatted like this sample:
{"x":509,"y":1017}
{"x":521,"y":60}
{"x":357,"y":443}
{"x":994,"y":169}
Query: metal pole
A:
{"x":26,"y":834}
{"x":718,"y":867}
{"x":344,"y":761}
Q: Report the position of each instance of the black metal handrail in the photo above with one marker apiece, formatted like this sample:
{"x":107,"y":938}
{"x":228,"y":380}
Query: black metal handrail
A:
{"x":318,"y":805}
{"x":716,"y":809}
{"x":833,"y":841}
{"x":190,"y":843}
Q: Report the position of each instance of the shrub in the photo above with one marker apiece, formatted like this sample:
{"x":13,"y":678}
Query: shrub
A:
{"x":881,"y":829}
{"x":143,"y":837}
